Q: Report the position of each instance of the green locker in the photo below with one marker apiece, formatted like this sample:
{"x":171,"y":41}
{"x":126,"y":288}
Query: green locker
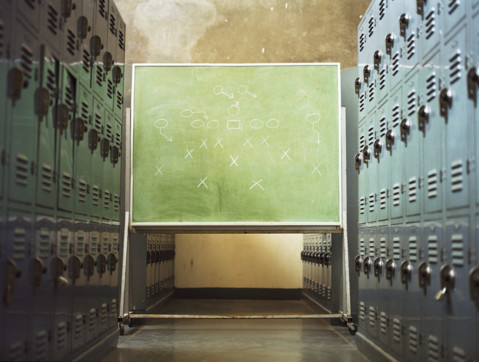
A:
{"x":73,"y":39}
{"x":95,"y":130}
{"x":106,"y":145}
{"x":116,"y":160}
{"x":86,"y":21}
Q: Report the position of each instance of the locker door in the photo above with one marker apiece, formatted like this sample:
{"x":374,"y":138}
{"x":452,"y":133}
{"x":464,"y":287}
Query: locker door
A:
{"x":105,"y":282}
{"x":454,"y":14}
{"x":362,"y":174}
{"x":379,"y":267}
{"x":454,"y":108}
{"x":473,"y":87}
{"x":394,"y":43}
{"x":96,"y":158}
{"x":46,"y":153}
{"x":149,"y":265}
{"x":88,"y":9}
{"x":371,"y":170}
{"x":371,"y":299}
{"x":106,"y":144}
{"x":431,"y":26}
{"x":74,"y":36}
{"x":94,"y":291}
{"x":52,"y":17}
{"x":381,"y":60}
{"x":101,"y":57}
{"x":412,"y":147}
{"x":382,"y":157}
{"x":118,"y":70}
{"x":23,"y":85}
{"x":363,"y":53}
{"x":28,"y":11}
{"x":116,"y":161}
{"x":113,"y":269}
{"x":408,"y":31}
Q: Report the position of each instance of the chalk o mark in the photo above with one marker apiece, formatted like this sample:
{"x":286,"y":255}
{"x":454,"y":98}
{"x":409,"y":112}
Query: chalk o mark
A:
{"x":272,"y":123}
{"x":234,"y":109}
{"x":244,"y":90}
{"x":219,"y":90}
{"x":188,"y":113}
{"x":198,"y":123}
{"x":256,"y":123}
{"x":161,"y":123}
{"x":213,"y":124}
{"x":313,"y":117}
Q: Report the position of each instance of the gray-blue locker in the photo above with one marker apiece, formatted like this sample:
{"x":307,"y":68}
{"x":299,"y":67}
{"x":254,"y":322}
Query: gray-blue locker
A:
{"x":43,"y":286}
{"x":46,"y":186}
{"x":96,"y":159}
{"x":454,"y":277}
{"x":76,"y":29}
{"x":431,"y":128}
{"x":455,"y":109}
{"x":383,"y":284}
{"x":28,"y":11}
{"x":433,"y":314}
{"x":454,"y":13}
{"x":410,"y":137}
{"x":363,"y":275}
{"x":382,"y":157}
{"x":371,"y":170}
{"x":361,"y":168}
{"x":18,"y":290}
{"x":52,"y":17}
{"x":473,"y":87}
{"x":409,"y":30}
{"x":394,"y":43}
{"x":364,"y":45}
{"x":411,"y":291}
{"x":396,"y":149}
{"x":370,"y":283}
{"x":113,"y":269}
{"x":431,"y":28}
{"x":380,"y":59}
{"x":62,"y":309}
{"x":22,"y":87}
{"x":93,"y":288}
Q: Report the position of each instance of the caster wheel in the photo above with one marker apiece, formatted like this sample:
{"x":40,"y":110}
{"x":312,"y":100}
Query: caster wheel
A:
{"x":353,"y":329}
{"x":121,"y":329}
{"x":131,"y":321}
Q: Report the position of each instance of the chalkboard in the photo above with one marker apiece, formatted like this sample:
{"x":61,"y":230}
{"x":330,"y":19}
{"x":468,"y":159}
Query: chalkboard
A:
{"x":236,"y":145}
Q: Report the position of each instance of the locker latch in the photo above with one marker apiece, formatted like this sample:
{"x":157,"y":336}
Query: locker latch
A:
{"x":61,"y":116}
{"x":404,"y":24}
{"x":358,"y":158}
{"x":378,"y":267}
{"x":327,"y":258}
{"x":78,"y":130}
{"x":42,"y":102}
{"x":67,"y":6}
{"x":445,"y":102}
{"x":114,"y":154}
{"x":423,"y":118}
{"x":95,"y":45}
{"x":89,"y":266}
{"x":82,"y":27}
{"x":406,"y":272}
{"x":367,"y":265}
{"x":104,"y":148}
{"x":366,"y":154}
{"x":74,"y":268}
{"x":378,"y":55}
{"x":12,"y":274}
{"x":101,"y":263}
{"x":116,"y":75}
{"x":107,"y":61}
{"x":448,"y":278}
{"x":38,"y":271}
{"x":390,"y":138}
{"x":405,"y":129}
{"x":390,"y":38}
{"x":390,"y":269}
{"x":15,"y":84}
{"x":378,"y":148}
{"x":112,"y":261}
{"x":366,"y":73}
{"x":424,"y":271}
{"x":358,"y":261}
{"x":420,"y":7}
{"x":93,"y":139}
{"x":472,"y":84}
{"x":474,"y":284}
{"x":357,"y":85}
{"x":58,"y":268}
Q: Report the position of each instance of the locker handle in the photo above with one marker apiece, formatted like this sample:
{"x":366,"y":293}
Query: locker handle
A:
{"x":38,"y":271}
{"x":390,"y":39}
{"x":405,"y":129}
{"x":474,"y":284}
{"x":89,"y":264}
{"x":378,"y":147}
{"x":404,"y":24}
{"x":67,"y":6}
{"x":104,"y":148}
{"x":366,"y":154}
{"x":61,"y":117}
{"x":423,"y":118}
{"x":327,"y":259}
{"x":112,"y":261}
{"x":78,"y":130}
{"x":406,"y":272}
{"x":93,"y":139}
{"x":366,"y":73}
{"x":15,"y":84}
{"x":357,"y":85}
{"x":420,"y":7}
{"x":424,"y":271}
{"x":367,"y":265}
{"x":390,"y":269}
{"x":95,"y":46}
{"x":42,"y":102}
{"x":58,"y":268}
{"x":472,"y":84}
{"x":74,"y":268}
{"x":358,"y":158}
{"x":390,"y":138}
{"x":358,"y":261}
{"x":107,"y":61}
{"x":378,"y":55}
{"x":378,"y":267}
{"x":12,"y":274}
{"x":445,"y":102}
{"x":116,"y":75}
{"x":82,"y":27}
{"x":101,"y":264}
{"x":448,"y":279}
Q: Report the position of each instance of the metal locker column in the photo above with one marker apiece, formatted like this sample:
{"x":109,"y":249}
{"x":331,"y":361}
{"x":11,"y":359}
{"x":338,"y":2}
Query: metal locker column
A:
{"x":371,"y":299}
{"x":94,"y":291}
{"x":105,"y":282}
{"x":371,"y":170}
{"x":361,"y":168}
{"x":106,"y":144}
{"x":363,"y":277}
{"x":113,"y":269}
{"x":321,"y":266}
{"x":52,"y":18}
{"x":95,"y":131}
{"x":116,"y":161}
{"x":118,"y":71}
{"x":382,"y":157}
{"x":111,"y":57}
{"x":473,"y":85}
{"x":455,"y":110}
{"x":394,"y":43}
{"x":149,"y":265}
{"x":101,"y":57}
{"x":23,"y":84}
{"x":381,"y":60}
{"x":363,"y":44}
{"x":379,"y":272}
{"x":328,"y":266}
{"x":74,"y":35}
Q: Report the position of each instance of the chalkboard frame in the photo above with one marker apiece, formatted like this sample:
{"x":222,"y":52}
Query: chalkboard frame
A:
{"x":238,"y":227}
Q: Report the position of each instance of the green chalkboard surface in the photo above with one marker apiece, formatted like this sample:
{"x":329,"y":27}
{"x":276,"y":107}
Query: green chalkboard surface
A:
{"x":220,"y":144}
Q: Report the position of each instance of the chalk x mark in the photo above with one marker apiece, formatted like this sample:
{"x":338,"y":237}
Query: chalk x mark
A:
{"x":285,"y":154}
{"x":248,"y":142}
{"x":158,"y":170}
{"x":203,"y":182}
{"x":203,"y":143}
{"x":219,"y":142}
{"x":316,"y":169}
{"x":256,"y":183}
{"x":265,"y":141}
{"x":234,"y":161}
{"x":189,"y":153}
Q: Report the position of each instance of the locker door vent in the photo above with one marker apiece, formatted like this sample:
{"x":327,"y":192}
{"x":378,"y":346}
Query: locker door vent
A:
{"x":457,"y":181}
{"x":371,"y":26}
{"x":2,"y":40}
{"x":26,"y":61}
{"x":119,"y":100}
{"x":99,"y":75}
{"x":51,"y":81}
{"x":21,"y":170}
{"x":110,"y":89}
{"x":371,"y":203}
{"x":109,"y":132}
{"x":362,"y":42}
{"x":412,"y":189}
{"x":91,"y":320}
{"x":371,"y":92}
{"x":47,"y":178}
{"x":396,"y":248}
{"x":102,"y":8}
{"x":452,"y":5}
{"x":362,"y":142}
{"x":121,"y":40}
{"x":86,"y":61}
{"x":67,"y":185}
{"x":114,"y":308}
{"x":395,"y":64}
{"x":19,"y":243}
{"x":411,"y":45}
{"x":94,"y":243}
{"x":362,"y":102}
{"x":64,"y":244}
{"x":432,"y":180}
{"x":458,"y":355}
{"x":362,"y":247}
{"x":396,"y":330}
{"x":396,"y":194}
{"x":105,"y":247}
{"x":383,"y":323}
{"x":15,"y":351}
{"x":85,"y":110}
{"x":44,"y":243}
{"x":95,"y":195}
{"x":104,"y":314}
{"x":430,"y":23}
{"x":80,"y":245}
{"x":71,"y":42}
{"x":382,"y":199}
{"x":82,"y":190}
{"x":396,"y":115}
{"x":78,"y":326}
{"x":112,"y":24}
{"x":371,"y":135}
{"x":383,"y":127}
{"x":31,"y":3}
{"x":372,"y":253}
{"x":431,"y":87}
{"x":413,"y":339}
{"x":455,"y":67}
{"x":52,"y":19}
{"x":382,"y":9}
{"x":115,"y":244}
{"x":413,"y":249}
{"x":382,"y":79}
{"x":116,"y":202}
{"x":41,"y":346}
{"x":411,"y":102}
{"x":61,"y":336}
{"x":383,"y":248}
{"x":432,"y":250}
{"x":433,"y":350}
{"x":457,"y":250}
{"x":362,"y":311}
{"x":70,"y":97}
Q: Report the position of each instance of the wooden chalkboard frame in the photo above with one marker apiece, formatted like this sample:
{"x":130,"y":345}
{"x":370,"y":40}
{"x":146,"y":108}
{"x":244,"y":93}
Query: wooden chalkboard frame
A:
{"x":239,"y":227}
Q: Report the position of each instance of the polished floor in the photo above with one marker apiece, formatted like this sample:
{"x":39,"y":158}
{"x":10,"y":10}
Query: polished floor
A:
{"x":238,"y":339}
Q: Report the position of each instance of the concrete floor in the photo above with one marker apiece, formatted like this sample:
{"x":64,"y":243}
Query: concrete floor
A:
{"x":236,"y":340}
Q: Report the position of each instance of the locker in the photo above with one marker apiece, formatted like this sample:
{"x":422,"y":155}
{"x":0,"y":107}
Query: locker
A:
{"x":412,"y":147}
{"x":431,"y":128}
{"x":105,"y":280}
{"x":101,"y":56}
{"x":371,"y":299}
{"x":431,"y":28}
{"x":409,"y":30}
{"x":454,"y":14}
{"x":159,"y":264}
{"x":319,"y":265}
{"x":94,"y":290}
{"x":363,"y":43}
{"x":28,"y":12}
{"x":327,"y":262}
{"x":74,"y":37}
{"x":116,"y":161}
{"x":23,"y":85}
{"x":382,"y":157}
{"x":360,"y":259}
{"x":113,"y":269}
{"x":383,"y":283}
{"x":394,"y":43}
{"x":3,"y":266}
{"x":473,"y":87}
{"x":361,"y":168}
{"x":95,"y":141}
{"x":380,"y":59}
{"x":455,"y":109}
{"x":118,"y":71}
{"x":372,"y":170}
{"x":52,"y":17}
{"x":46,"y":187}
{"x":109,"y":175}
{"x":149,"y":266}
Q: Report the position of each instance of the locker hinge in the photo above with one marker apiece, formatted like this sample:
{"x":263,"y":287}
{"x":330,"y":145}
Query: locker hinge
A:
{"x":468,"y":166}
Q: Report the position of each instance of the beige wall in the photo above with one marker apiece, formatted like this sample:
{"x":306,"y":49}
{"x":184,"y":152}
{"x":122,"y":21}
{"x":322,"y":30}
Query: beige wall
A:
{"x":241,"y":31}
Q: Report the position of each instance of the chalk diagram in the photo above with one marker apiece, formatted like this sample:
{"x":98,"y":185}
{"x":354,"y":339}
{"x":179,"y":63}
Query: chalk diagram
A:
{"x":220,"y":91}
{"x":314,"y":118}
{"x":244,"y":90}
{"x":198,"y":122}
{"x":161,"y":124}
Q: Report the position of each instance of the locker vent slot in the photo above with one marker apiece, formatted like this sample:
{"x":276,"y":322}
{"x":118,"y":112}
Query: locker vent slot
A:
{"x":99,"y":76}
{"x":383,"y":127}
{"x":21,"y":170}
{"x":382,"y":199}
{"x":433,"y":350}
{"x":82,"y":190}
{"x":95,"y":195}
{"x":2,"y":40}
{"x":102,"y":8}
{"x":44,"y":243}
{"x":371,"y":26}
{"x":118,"y":139}
{"x":104,"y":314}
{"x":119,"y":100}
{"x":382,"y":9}
{"x":411,"y":45}
{"x":396,"y":115}
{"x":71,"y":42}
{"x":412,"y":189}
{"x":431,"y":87}
{"x":411,"y":102}
{"x":109,"y":132}
{"x":362,"y":311}
{"x":26,"y":61}
{"x":362,"y":142}
{"x":98,"y":122}
{"x":455,"y":67}
{"x":66,"y":185}
{"x":80,"y":245}
{"x":362,"y":247}
{"x":430,"y":23}
{"x":105,"y":246}
{"x":458,"y":355}
{"x":371,"y":92}
{"x":413,"y":249}
{"x":413,"y":339}
{"x":396,"y":248}
{"x":372,"y":317}
{"x":31,"y":3}
{"x":456,"y":176}
{"x":41,"y":346}
{"x":383,"y":323}
{"x":110,"y":89}
{"x":116,"y":202}
{"x":69,"y":97}
{"x":382,"y":79}
{"x":395,"y":64}
{"x":396,"y":330}
{"x":383,"y":248}
{"x":432,"y":250}
{"x":396,"y":194}
{"x":47,"y":178}
{"x":61,"y":335}
{"x":52,"y":19}
{"x":64,"y":244}
{"x":114,"y":308}
{"x":19,"y":243}
{"x":371,"y":135}
{"x":51,"y":80}
{"x":362,"y":42}
{"x":452,"y":5}
{"x":371,"y":203}
{"x":86,"y":61}
{"x":78,"y":326}
{"x":362,"y":102}
{"x":116,"y":243}
{"x":432,"y":184}
{"x":113,"y":24}
{"x":85,"y":111}
{"x":94,"y":244}
{"x":15,"y":351}
{"x":457,"y":250}
{"x":92,"y":320}
{"x":121,"y":40}
{"x":372,"y":252}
